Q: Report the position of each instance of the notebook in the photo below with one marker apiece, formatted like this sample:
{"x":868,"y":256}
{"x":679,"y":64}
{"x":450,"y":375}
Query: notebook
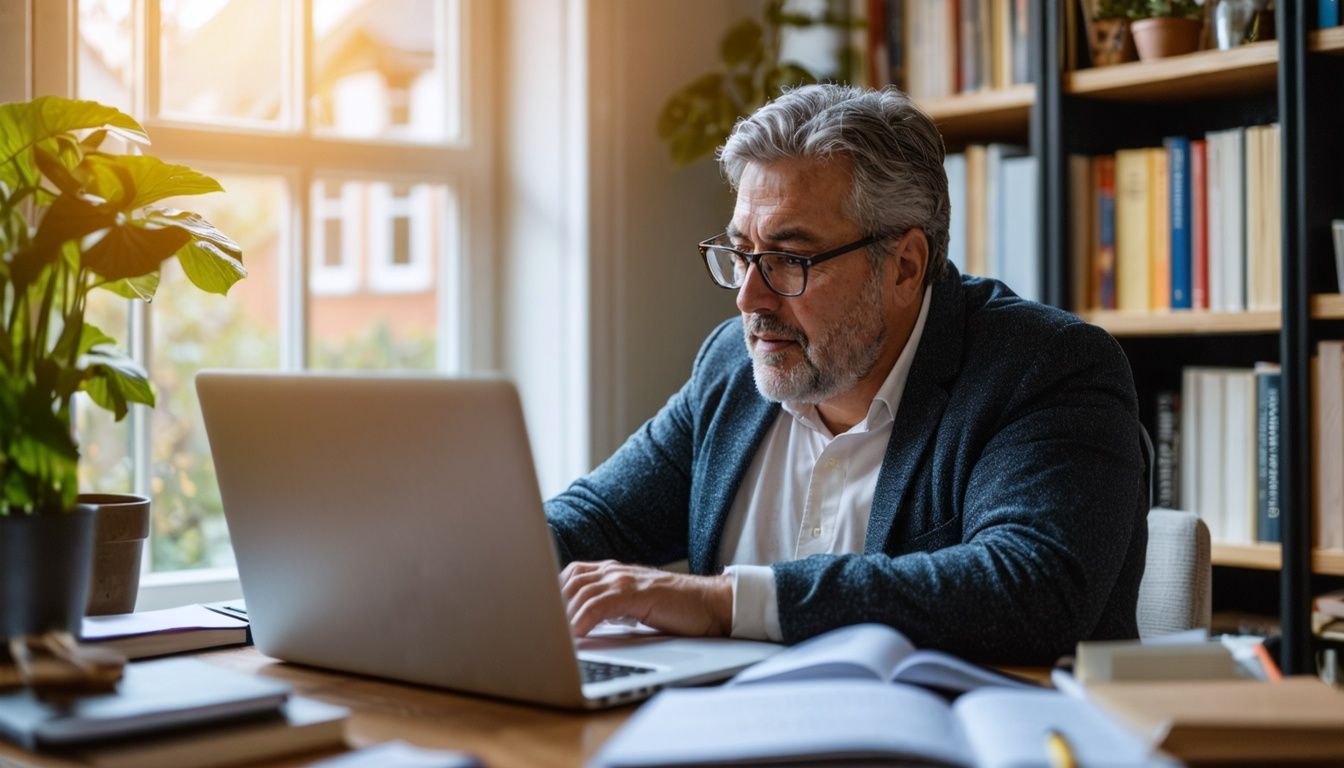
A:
{"x":152,"y":696}
{"x":171,"y":630}
{"x":392,"y":526}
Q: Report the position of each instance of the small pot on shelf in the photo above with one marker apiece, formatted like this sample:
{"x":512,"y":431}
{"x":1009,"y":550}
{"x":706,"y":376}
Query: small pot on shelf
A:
{"x":1109,"y":42}
{"x":45,"y":560}
{"x":1161,"y":37}
{"x":119,"y":542}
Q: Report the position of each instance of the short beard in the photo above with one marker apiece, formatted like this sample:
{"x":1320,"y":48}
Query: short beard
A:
{"x":831,"y":365}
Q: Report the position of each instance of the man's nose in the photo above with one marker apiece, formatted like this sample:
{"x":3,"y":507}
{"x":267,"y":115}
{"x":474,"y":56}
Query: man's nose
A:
{"x":754,"y":295}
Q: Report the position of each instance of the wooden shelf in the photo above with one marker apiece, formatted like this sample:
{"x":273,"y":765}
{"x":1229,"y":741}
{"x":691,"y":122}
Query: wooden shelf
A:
{"x":1325,"y":306}
{"x":983,"y":115}
{"x":1328,"y":40}
{"x":1197,"y":75}
{"x":1182,"y":323}
{"x":1266,"y":557}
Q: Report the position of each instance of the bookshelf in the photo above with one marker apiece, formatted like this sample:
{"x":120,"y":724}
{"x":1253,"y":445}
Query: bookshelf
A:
{"x":1293,"y":82}
{"x":1269,"y":557}
{"x":1002,"y":113}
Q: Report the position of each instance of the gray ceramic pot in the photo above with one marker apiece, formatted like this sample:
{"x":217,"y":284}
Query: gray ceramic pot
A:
{"x":45,"y":561}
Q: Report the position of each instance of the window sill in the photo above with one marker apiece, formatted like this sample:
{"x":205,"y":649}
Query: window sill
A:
{"x":176,"y":588}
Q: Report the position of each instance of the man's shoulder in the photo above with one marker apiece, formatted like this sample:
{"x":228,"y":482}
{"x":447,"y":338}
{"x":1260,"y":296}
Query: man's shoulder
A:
{"x":723,"y":349}
{"x":998,"y":319}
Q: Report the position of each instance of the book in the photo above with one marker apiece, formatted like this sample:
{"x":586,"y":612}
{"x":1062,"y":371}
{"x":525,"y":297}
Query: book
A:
{"x":1328,"y":430}
{"x":954,"y":166}
{"x":1243,"y":721}
{"x":1199,"y":225}
{"x":1167,"y":440}
{"x":1129,"y":660}
{"x":1080,"y":232}
{"x":1132,"y":254}
{"x":300,"y":725}
{"x":152,"y":696}
{"x":1159,"y":230}
{"x":977,"y":210}
{"x":172,"y":630}
{"x":1021,"y":266}
{"x":1268,"y":393}
{"x":1102,"y":285}
{"x":1327,"y":14}
{"x":1238,"y":455}
{"x":1179,"y":221}
{"x":873,"y":652}
{"x":855,"y":722}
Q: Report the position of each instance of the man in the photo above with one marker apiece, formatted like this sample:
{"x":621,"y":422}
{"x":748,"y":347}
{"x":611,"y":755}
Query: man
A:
{"x":895,"y":442}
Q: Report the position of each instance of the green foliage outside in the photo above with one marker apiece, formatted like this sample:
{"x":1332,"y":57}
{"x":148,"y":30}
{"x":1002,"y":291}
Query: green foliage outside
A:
{"x":698,"y":117}
{"x":74,"y":219}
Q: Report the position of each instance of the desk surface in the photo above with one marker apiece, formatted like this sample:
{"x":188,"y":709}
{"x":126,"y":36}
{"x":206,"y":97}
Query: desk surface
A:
{"x":501,"y":733}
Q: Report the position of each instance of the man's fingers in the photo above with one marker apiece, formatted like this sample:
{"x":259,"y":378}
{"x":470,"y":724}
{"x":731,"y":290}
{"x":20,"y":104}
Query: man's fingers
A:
{"x":598,"y":608}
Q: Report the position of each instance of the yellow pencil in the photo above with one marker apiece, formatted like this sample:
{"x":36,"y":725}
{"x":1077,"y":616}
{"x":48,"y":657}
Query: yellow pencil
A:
{"x":1059,"y":751}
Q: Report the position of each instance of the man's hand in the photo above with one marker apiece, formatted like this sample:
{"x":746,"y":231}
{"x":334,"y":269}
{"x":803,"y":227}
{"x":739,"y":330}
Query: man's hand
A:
{"x":672,"y":602}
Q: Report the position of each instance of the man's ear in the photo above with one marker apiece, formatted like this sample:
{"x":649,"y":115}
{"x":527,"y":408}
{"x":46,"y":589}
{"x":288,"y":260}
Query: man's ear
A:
{"x":912,"y":260}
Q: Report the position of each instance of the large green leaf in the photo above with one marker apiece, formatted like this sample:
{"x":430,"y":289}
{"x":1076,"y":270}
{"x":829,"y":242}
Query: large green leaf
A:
{"x":24,"y":124}
{"x":69,"y":218}
{"x":115,"y":380}
{"x":743,"y":44}
{"x":152,"y":178}
{"x":196,"y":225}
{"x":133,"y":250}
{"x":210,"y":268}
{"x":143,"y":287}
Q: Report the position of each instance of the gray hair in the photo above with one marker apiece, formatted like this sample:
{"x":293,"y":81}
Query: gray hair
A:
{"x":894,"y":149}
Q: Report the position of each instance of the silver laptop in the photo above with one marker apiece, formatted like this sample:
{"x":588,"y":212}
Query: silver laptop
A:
{"x":392,"y":526}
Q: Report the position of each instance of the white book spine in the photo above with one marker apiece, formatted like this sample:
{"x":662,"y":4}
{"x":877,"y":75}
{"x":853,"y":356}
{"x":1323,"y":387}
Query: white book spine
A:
{"x":1190,"y":439}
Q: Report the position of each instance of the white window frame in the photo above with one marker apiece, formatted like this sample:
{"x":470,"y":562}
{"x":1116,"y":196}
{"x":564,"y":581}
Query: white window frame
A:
{"x":417,"y":274}
{"x":465,"y":278}
{"x":343,"y":277}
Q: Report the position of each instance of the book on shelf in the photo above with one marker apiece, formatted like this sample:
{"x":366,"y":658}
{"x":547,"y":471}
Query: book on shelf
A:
{"x":171,"y":630}
{"x":1103,"y":233}
{"x":873,"y":652}
{"x":954,"y":165}
{"x":1080,"y":230}
{"x":1268,"y":407}
{"x":152,"y":696}
{"x":1242,"y":721}
{"x":1179,"y":224}
{"x":855,"y":722}
{"x":998,"y":231}
{"x":1197,"y":223}
{"x":1167,"y":450}
{"x":1327,"y":13}
{"x":301,"y":725}
{"x":1328,"y":441}
{"x":1228,"y":458}
{"x":949,"y":47}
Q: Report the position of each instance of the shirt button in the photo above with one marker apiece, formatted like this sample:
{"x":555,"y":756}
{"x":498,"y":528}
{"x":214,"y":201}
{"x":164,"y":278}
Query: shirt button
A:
{"x":816,"y":532}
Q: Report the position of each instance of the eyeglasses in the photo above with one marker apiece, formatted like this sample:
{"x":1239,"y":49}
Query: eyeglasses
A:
{"x":784,"y":273}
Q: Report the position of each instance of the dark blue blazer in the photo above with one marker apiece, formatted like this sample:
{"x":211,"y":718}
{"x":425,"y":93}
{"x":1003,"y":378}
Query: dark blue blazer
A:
{"x":1009,"y":518}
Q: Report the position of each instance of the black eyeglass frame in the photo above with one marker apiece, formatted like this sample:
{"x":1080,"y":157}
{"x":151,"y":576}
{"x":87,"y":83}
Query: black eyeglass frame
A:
{"x":754,"y":259}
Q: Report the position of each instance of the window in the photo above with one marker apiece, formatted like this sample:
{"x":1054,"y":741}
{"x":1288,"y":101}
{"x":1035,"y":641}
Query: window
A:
{"x":349,"y":147}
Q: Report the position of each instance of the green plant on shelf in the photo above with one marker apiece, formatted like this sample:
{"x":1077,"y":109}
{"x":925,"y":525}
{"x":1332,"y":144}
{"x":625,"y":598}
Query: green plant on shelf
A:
{"x":1179,"y":9}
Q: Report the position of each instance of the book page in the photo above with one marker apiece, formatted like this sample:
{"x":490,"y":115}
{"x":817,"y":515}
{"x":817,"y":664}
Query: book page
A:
{"x":149,"y":622}
{"x":1011,"y":728}
{"x":862,"y":651}
{"x":935,"y":669}
{"x":788,"y":723}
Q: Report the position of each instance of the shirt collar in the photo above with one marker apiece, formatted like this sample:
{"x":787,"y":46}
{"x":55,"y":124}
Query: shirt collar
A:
{"x":888,"y":398}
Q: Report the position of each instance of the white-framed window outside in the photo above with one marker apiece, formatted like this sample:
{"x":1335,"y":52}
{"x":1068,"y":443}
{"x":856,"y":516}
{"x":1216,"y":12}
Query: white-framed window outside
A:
{"x":360,"y":121}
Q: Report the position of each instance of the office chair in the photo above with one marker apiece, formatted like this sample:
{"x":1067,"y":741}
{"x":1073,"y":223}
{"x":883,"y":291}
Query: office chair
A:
{"x":1175,"y":593}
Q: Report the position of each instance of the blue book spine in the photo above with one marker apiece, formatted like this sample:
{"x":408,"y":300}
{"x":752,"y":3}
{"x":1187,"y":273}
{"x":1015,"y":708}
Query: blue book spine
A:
{"x":1178,"y":169}
{"x":1329,"y":14}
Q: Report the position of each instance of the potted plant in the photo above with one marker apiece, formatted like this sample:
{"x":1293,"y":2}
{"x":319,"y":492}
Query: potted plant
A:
{"x":1108,"y":38}
{"x":1168,"y":28}
{"x":75,"y":218}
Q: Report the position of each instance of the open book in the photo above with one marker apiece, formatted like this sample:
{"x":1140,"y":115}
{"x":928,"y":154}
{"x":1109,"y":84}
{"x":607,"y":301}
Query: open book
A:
{"x":874,"y":652}
{"x":820,"y":721}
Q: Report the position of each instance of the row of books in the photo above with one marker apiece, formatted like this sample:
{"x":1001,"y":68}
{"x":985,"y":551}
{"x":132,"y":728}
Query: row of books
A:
{"x":1192,"y":224}
{"x":993,"y":229}
{"x":1217,"y":451}
{"x":935,"y":48}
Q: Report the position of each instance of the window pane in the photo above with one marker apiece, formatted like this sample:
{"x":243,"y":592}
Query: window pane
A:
{"x":105,"y":61}
{"x":225,"y":60}
{"x":379,"y":308}
{"x":192,"y":330}
{"x":104,"y":443}
{"x":380,"y":66}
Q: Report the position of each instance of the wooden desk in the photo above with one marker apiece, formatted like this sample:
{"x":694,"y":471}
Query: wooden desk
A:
{"x":502,"y":734}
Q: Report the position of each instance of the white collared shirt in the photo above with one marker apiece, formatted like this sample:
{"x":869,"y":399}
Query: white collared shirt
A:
{"x":807,"y":492}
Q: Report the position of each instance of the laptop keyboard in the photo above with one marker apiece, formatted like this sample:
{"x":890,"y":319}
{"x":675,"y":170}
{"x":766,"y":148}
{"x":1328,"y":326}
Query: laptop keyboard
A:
{"x":600,"y":671}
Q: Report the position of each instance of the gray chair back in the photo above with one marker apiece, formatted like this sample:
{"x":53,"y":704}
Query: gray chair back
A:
{"x":1176,"y":592}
